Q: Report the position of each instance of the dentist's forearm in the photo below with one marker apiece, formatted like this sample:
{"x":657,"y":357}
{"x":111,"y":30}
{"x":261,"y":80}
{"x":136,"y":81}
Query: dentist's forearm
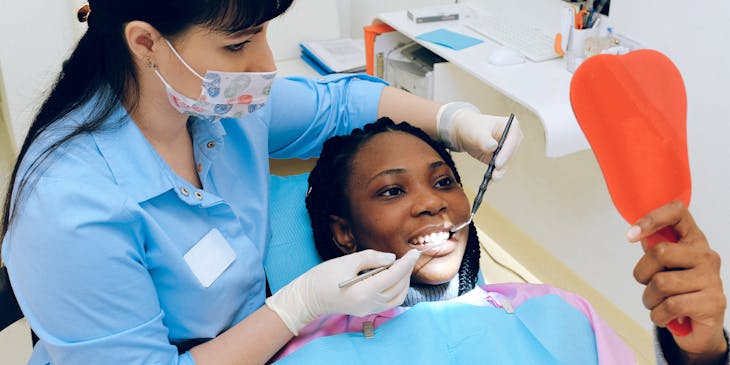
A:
{"x":400,"y":106}
{"x":254,"y":340}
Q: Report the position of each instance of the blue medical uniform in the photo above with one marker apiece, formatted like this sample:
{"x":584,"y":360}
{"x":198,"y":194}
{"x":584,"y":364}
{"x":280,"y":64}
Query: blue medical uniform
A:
{"x":96,"y":253}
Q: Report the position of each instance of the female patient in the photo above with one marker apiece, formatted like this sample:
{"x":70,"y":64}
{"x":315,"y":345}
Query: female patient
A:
{"x":391,"y":188}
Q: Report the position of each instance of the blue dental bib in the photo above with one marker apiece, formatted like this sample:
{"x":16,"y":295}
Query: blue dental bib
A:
{"x":543,"y":330}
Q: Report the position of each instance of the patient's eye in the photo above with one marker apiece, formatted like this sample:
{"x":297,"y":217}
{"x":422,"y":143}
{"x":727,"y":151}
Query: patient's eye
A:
{"x":444,"y":182}
{"x":391,"y":192}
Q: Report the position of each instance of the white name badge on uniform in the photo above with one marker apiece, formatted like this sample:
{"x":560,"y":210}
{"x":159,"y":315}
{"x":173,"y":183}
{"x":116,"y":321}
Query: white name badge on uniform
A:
{"x":210,"y":257}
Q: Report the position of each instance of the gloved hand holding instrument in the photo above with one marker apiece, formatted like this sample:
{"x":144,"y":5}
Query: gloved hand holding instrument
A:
{"x":316,"y":292}
{"x":463,"y":128}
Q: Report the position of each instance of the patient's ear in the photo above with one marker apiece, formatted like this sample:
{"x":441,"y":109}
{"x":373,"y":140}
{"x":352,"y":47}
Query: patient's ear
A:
{"x":342,"y":235}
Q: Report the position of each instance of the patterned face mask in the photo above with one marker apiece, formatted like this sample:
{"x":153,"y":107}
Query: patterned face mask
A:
{"x":223,"y":94}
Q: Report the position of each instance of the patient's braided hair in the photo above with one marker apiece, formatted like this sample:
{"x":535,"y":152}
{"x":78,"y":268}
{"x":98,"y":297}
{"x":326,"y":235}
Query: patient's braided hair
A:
{"x":328,"y":181}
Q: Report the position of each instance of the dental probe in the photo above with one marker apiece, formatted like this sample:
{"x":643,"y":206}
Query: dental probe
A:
{"x":486,"y":179}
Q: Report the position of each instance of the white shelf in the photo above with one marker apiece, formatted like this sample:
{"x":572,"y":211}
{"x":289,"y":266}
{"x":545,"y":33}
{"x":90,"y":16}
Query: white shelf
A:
{"x":541,"y":87}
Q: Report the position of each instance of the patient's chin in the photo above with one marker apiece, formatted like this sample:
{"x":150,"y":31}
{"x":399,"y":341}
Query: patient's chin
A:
{"x":432,"y":276}
{"x":429,"y":282}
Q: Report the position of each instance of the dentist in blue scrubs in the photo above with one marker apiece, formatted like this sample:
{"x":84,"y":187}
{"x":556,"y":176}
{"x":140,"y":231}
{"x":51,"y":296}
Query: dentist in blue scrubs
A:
{"x":136,"y":221}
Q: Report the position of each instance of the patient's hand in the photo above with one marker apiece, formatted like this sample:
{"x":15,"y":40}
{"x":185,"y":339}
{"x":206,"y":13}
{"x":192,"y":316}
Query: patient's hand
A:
{"x":692,"y":289}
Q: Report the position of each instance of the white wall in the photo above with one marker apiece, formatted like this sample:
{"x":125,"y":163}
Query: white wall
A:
{"x":35,"y":37}
{"x":362,"y":12}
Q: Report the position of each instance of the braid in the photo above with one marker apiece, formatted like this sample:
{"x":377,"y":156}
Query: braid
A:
{"x":469,"y":269}
{"x":327,"y":196}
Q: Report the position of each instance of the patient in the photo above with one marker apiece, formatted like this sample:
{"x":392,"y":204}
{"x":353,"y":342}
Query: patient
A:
{"x":391,"y":188}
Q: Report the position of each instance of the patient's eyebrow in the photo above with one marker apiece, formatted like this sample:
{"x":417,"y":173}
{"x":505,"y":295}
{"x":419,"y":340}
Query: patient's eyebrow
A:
{"x":432,"y":166}
{"x":436,"y":164}
{"x":387,"y":172}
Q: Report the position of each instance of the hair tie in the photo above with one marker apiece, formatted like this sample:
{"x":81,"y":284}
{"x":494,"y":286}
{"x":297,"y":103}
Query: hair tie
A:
{"x":83,"y":13}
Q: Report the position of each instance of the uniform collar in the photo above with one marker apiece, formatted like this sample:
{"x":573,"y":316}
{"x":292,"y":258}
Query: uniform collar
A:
{"x":134,"y":163}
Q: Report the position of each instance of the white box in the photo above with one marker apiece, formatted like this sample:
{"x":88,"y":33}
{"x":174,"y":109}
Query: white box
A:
{"x":434,"y":14}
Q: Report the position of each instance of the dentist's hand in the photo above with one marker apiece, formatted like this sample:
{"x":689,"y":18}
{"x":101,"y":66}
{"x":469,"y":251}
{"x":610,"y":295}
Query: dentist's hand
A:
{"x":316,"y":292}
{"x":691,"y":289}
{"x":462,"y":127}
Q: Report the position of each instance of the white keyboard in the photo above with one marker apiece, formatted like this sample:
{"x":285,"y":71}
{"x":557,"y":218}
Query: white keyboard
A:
{"x":531,"y":42}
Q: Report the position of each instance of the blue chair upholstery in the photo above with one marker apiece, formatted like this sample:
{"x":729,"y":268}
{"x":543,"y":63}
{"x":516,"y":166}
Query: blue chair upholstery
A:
{"x":291,"y":250}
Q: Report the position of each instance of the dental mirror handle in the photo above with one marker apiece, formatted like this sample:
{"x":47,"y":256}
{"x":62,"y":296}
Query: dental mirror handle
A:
{"x":490,"y":168}
{"x":370,"y":272}
{"x":487,"y":177}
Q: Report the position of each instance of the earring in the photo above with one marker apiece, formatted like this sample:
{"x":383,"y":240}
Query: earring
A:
{"x":82,"y":15}
{"x":149,"y":63}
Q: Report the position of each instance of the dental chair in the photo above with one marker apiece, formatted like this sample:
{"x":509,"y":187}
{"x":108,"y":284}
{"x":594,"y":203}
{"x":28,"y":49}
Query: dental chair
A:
{"x":9,"y":309}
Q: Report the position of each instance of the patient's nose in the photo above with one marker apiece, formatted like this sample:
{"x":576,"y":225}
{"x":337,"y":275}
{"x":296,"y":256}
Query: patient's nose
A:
{"x":428,"y":202}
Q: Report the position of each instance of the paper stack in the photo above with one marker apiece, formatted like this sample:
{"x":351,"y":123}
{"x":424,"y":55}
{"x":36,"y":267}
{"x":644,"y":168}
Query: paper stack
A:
{"x":335,"y":56}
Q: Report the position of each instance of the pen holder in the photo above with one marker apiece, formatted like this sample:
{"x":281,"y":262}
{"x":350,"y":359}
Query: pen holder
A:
{"x":576,"y":47}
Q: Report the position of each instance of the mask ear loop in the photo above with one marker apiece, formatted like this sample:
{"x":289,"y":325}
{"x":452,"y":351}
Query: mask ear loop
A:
{"x":174,"y":51}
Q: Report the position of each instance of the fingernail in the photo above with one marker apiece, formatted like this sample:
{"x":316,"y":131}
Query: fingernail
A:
{"x":492,"y":145}
{"x":633,"y":233}
{"x":498,"y":174}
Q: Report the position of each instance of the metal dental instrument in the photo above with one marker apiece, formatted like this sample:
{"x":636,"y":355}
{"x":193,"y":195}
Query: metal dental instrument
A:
{"x":363,"y":276}
{"x":370,"y":272}
{"x":486,"y":179}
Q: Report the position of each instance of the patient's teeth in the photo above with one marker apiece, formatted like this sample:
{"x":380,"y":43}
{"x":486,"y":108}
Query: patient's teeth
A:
{"x":435,"y":238}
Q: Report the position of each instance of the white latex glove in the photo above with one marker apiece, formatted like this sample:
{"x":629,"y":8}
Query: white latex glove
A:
{"x":463,"y":128}
{"x":316,"y":292}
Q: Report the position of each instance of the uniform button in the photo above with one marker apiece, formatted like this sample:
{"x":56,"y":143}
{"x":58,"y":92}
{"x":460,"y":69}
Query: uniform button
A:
{"x":199,"y":195}
{"x":184,"y":191}
{"x":200,"y":167}
{"x":211,"y":144}
{"x":322,"y":79}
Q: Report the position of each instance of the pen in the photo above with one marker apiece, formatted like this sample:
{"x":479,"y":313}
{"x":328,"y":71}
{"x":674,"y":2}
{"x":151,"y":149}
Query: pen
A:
{"x":579,"y":20}
{"x":589,"y":19}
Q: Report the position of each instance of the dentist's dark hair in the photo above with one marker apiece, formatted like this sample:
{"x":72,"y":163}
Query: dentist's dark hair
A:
{"x":327,"y":195}
{"x":101,"y":70}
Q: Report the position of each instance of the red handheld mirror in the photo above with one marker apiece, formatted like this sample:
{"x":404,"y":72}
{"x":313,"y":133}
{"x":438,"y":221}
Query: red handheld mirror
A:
{"x":633,"y":111}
